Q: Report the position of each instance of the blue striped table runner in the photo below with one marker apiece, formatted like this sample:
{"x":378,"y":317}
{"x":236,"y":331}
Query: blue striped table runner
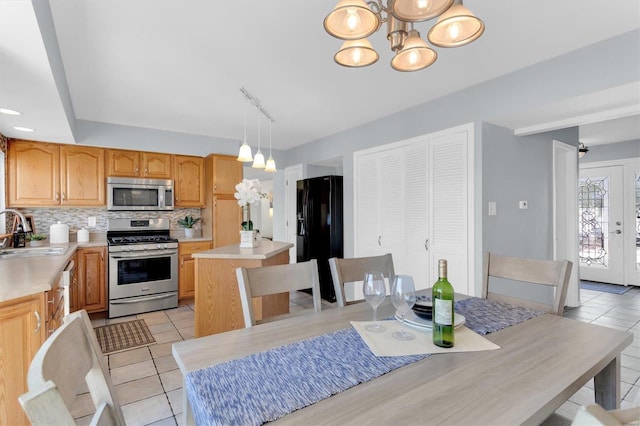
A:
{"x":268,"y":385}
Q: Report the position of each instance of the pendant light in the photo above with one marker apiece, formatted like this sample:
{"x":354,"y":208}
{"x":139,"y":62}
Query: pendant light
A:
{"x":415,"y":55}
{"x":258,"y":160}
{"x":456,"y":27}
{"x":271,"y":163}
{"x":244,"y":154}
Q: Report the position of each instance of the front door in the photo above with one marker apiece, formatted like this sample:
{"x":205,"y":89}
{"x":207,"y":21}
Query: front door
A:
{"x":601,"y":226}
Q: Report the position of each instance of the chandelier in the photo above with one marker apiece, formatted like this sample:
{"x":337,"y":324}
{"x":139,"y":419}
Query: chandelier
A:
{"x":244,"y":154}
{"x":355,"y":20}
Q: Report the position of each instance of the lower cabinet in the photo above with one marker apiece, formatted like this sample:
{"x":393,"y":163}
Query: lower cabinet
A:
{"x":92,"y":279}
{"x":22,"y":331}
{"x":187,"y":264}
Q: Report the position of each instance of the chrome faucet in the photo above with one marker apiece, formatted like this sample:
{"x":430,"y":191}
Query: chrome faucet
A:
{"x":23,"y":220}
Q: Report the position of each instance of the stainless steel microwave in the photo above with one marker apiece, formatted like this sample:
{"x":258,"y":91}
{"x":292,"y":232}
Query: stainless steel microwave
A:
{"x":139,"y":194}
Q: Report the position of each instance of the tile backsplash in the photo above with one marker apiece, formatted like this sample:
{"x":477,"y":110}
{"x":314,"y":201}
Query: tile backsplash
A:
{"x":77,"y":217}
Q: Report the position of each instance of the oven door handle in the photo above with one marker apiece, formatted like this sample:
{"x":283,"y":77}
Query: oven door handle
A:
{"x":141,"y":299}
{"x":144,"y":254}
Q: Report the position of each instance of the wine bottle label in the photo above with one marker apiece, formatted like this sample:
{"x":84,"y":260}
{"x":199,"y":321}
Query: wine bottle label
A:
{"x":443,"y":310}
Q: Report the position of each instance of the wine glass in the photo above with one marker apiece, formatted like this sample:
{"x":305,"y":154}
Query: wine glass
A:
{"x":374,"y":293}
{"x":403,"y":296}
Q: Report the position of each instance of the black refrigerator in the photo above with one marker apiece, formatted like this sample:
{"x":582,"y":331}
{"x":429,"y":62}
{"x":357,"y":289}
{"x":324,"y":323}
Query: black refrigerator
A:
{"x":320,"y":226}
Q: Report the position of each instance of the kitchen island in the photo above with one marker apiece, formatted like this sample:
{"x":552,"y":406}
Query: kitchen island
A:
{"x":217,"y":301}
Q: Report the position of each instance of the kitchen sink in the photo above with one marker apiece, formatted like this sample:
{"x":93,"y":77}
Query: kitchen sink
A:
{"x":32,"y":252}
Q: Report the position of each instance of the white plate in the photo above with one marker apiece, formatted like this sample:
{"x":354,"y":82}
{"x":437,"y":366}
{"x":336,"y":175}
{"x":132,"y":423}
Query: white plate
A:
{"x":415,"y":321}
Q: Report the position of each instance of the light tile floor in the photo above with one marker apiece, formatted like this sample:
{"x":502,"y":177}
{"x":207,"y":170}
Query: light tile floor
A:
{"x":149,"y":384}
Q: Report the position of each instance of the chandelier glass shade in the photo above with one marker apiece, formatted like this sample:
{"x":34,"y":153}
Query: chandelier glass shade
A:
{"x":415,"y":55}
{"x":351,"y":20}
{"x":418,"y":10}
{"x":355,"y":20}
{"x":456,"y":27}
{"x":356,"y":53}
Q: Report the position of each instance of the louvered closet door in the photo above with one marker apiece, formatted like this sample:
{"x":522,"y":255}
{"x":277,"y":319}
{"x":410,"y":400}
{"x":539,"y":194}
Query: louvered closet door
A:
{"x":448,"y":187}
{"x":367,"y":194}
{"x":392,"y":232}
{"x":416,"y":214}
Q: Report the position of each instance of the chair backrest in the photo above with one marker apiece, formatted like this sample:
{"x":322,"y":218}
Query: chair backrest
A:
{"x":353,"y":270}
{"x":553,"y":273}
{"x":595,"y":415}
{"x":256,"y":282}
{"x":67,"y":361}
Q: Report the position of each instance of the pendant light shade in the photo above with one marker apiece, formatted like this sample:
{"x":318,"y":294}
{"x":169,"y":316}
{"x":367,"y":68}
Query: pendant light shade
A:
{"x":351,"y":20}
{"x":456,"y":27}
{"x":271,"y":163}
{"x":415,"y":55}
{"x":258,"y":159}
{"x":244,"y":154}
{"x":418,"y":10}
{"x":356,"y":53}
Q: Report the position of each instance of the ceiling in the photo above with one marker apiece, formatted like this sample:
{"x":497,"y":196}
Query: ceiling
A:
{"x":178,"y":65}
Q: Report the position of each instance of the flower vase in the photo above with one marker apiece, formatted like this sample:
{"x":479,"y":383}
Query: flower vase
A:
{"x":248,"y":239}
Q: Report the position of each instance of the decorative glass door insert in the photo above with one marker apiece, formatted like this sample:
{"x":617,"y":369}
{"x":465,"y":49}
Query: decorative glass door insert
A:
{"x":593,"y":208}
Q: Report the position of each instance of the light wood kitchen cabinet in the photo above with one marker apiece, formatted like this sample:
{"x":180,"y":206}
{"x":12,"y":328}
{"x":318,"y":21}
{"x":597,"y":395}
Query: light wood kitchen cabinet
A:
{"x":222,"y":216}
{"x":82,"y":176}
{"x":186,"y":275}
{"x":34,"y":174}
{"x":188,"y":175}
{"x":44,"y":174}
{"x":22,"y":332}
{"x":148,"y":165}
{"x":92,"y":279}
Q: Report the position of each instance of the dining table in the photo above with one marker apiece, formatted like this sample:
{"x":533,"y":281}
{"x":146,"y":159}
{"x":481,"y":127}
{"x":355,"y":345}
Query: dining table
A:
{"x":541,"y":362}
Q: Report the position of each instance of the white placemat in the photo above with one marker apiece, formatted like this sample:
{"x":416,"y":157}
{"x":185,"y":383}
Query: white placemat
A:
{"x":383,"y":344}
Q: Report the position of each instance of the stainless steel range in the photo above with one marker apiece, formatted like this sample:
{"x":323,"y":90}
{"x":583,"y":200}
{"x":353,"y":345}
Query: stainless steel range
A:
{"x":143,"y":266}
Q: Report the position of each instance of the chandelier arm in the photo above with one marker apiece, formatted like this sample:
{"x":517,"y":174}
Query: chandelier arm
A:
{"x":377,"y":8}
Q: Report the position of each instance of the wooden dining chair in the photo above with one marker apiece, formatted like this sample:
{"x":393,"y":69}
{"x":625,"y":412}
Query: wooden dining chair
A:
{"x":267,"y":280}
{"x":554,"y":273}
{"x":69,"y":361}
{"x":353,"y":270}
{"x":595,"y":415}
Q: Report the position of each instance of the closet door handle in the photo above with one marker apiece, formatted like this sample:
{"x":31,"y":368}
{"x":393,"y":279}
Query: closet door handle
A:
{"x":426,"y":244}
{"x":379,"y":238}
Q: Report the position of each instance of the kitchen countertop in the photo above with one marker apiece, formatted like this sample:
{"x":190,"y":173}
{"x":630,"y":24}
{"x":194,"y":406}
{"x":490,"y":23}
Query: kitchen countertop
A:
{"x":265,"y":250}
{"x":32,"y":275}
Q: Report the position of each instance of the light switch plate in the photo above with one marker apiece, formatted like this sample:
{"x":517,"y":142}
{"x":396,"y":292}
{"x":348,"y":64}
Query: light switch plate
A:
{"x":492,"y":208}
{"x":92,"y":221}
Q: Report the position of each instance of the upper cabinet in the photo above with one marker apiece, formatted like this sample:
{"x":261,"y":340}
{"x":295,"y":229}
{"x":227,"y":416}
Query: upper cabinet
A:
{"x":226,"y":173}
{"x":188,"y":174}
{"x":44,"y":174}
{"x":149,"y":165}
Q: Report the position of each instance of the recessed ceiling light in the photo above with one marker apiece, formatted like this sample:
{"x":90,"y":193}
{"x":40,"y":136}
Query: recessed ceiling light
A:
{"x":10,"y":111}
{"x":24,"y":129}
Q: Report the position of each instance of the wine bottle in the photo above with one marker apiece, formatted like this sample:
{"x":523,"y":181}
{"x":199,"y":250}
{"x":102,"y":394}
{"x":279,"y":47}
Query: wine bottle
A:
{"x":442,"y":297}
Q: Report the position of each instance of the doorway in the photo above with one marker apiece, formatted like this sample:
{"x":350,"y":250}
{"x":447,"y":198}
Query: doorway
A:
{"x":601,"y":224}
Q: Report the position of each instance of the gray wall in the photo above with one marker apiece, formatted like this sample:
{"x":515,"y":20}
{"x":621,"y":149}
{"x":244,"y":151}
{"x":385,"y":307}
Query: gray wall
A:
{"x":614,"y":151}
{"x":570,"y":75}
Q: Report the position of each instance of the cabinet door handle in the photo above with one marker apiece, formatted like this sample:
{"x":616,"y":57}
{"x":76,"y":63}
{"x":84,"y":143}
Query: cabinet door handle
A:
{"x":146,"y":171}
{"x":137,"y":170}
{"x":63,"y":196}
{"x":39,"y":322}
{"x":57,"y":196}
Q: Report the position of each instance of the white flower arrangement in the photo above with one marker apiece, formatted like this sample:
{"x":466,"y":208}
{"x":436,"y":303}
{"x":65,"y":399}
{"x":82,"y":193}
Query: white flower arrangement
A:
{"x":248,"y":192}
